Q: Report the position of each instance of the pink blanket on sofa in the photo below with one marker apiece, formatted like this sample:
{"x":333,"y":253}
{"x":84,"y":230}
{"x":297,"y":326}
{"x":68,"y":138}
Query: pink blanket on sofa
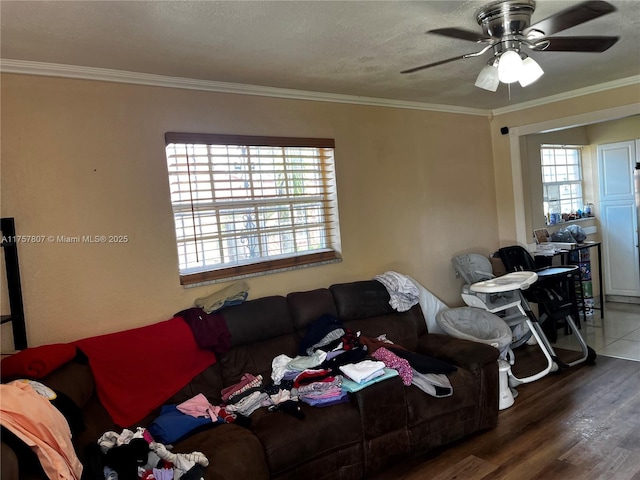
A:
{"x":138,"y":370}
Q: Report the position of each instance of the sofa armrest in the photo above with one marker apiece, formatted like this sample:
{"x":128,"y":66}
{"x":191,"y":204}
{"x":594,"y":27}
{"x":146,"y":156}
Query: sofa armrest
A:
{"x":479,"y":359}
{"x":9,"y":465}
{"x":466,"y":354}
{"x":382,"y":407}
{"x":19,"y":461}
{"x":383,"y":416}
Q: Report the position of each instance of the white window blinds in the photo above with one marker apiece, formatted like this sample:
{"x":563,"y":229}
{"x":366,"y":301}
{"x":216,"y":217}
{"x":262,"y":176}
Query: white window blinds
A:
{"x":244,"y":205}
{"x":561,"y":179}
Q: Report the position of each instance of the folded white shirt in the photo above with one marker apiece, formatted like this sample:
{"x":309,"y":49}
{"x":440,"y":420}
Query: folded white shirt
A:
{"x":363,"y":371}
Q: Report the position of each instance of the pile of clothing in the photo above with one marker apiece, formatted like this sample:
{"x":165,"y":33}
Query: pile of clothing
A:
{"x":331,"y":356}
{"x":332,"y":362}
{"x":130,"y":455}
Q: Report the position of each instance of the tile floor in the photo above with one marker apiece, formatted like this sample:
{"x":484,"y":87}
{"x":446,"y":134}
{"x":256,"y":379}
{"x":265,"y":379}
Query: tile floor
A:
{"x":617,"y":335}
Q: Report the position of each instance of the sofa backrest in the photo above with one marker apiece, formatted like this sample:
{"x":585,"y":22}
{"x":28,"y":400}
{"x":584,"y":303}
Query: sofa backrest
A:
{"x":364,"y":307}
{"x":363,"y":299}
{"x":75,"y":380}
{"x":307,"y":307}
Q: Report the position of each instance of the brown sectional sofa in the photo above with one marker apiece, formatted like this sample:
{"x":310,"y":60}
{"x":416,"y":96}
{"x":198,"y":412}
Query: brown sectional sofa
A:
{"x":380,"y":425}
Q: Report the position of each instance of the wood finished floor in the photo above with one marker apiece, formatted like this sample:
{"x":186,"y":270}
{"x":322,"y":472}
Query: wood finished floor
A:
{"x":580,"y":424}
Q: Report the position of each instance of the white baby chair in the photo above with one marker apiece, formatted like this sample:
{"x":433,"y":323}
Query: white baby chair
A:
{"x":502,"y":298}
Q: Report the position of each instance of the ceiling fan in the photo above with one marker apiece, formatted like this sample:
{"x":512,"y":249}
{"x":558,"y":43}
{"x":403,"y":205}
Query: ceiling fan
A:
{"x":506,"y":29}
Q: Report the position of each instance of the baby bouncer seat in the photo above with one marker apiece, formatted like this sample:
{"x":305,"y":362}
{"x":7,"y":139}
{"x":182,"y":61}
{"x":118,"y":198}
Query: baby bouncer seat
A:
{"x":478,"y":325}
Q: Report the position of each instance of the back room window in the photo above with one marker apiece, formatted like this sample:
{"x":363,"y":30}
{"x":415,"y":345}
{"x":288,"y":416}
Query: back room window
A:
{"x":561,"y":179}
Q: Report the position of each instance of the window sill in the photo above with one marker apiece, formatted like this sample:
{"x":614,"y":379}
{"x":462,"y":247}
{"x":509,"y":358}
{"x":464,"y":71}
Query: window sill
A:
{"x":569,"y":222}
{"x":262,"y":268}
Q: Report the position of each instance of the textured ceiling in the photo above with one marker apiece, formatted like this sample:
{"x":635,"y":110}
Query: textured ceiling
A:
{"x":352,"y":47}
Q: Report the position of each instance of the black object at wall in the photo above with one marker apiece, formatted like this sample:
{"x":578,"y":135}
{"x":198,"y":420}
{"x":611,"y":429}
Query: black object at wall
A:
{"x":16,"y":317}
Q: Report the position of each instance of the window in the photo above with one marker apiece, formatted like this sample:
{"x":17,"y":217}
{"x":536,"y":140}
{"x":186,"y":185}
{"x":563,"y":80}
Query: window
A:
{"x":561,"y":179}
{"x":248,"y":205}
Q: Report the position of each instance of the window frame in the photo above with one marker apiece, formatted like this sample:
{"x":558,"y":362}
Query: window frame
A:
{"x":327,"y":201}
{"x":577,"y":202}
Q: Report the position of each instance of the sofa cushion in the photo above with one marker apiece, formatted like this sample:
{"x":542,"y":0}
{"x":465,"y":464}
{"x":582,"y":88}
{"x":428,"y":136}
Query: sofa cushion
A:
{"x":233,"y":452}
{"x":256,"y":358}
{"x":208,"y":382}
{"x":363,"y":299}
{"x":258,"y":319}
{"x":97,"y":421}
{"x":289,"y":441}
{"x":345,"y":464}
{"x":307,"y":307}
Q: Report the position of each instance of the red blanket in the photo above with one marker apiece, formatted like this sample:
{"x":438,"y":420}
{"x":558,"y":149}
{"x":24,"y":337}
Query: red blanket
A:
{"x":138,"y":370}
{"x":37,"y":362}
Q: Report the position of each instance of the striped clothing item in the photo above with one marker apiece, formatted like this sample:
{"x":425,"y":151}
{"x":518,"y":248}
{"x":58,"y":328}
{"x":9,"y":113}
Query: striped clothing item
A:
{"x":403,"y":292}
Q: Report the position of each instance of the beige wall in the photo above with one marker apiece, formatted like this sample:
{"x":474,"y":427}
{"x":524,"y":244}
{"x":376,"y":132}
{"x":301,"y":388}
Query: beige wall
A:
{"x":614,"y":130}
{"x":87,"y":158}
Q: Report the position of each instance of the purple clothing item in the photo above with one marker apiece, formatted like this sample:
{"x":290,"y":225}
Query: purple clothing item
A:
{"x":209,"y":329}
{"x":163,"y":473}
{"x":331,"y":392}
{"x":333,"y":353}
{"x":391,"y":360}
{"x":343,"y":397}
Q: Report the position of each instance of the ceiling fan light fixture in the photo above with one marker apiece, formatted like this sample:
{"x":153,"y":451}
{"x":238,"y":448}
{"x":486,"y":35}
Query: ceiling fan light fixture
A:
{"x":507,"y":28}
{"x":488,"y":77}
{"x":509,"y":67}
{"x":531,"y":72}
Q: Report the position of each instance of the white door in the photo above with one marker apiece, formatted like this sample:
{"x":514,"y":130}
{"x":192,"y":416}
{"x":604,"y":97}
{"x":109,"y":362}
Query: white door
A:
{"x":619,"y":218}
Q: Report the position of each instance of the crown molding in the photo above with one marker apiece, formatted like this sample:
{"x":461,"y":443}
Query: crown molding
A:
{"x":120,"y":76}
{"x":602,"y":87}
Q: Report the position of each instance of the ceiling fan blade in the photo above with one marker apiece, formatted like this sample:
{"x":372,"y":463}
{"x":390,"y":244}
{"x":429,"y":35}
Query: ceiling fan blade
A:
{"x":579,"y":44}
{"x":571,"y":17}
{"x":460,"y":34}
{"x":435,"y":64}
